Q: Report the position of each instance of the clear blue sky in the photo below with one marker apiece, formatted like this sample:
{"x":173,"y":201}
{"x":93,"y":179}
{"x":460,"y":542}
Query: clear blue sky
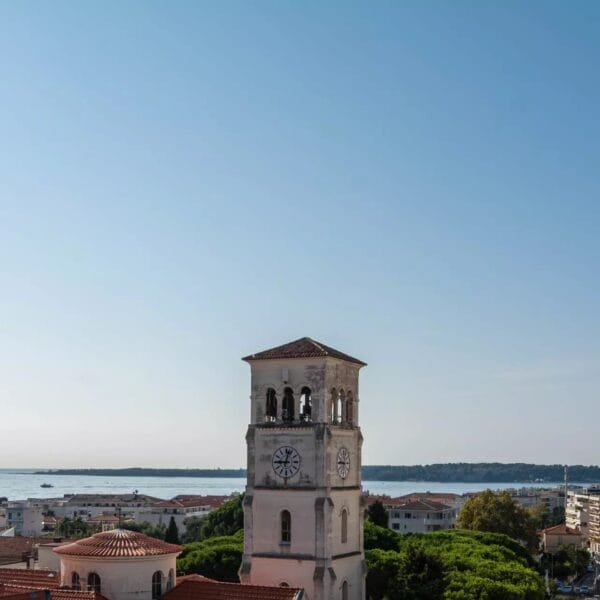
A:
{"x":183,"y":183}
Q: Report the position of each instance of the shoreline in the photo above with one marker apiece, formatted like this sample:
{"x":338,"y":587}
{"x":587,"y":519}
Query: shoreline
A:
{"x":488,"y":474}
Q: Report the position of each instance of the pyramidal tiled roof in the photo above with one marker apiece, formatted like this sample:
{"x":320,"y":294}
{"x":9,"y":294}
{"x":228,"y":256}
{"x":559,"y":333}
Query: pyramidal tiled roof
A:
{"x":119,"y":542}
{"x":303,"y":348}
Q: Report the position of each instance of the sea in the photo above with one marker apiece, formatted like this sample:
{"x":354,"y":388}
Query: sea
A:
{"x":19,"y":484}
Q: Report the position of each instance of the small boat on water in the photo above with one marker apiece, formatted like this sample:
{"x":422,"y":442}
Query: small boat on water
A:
{"x":46,"y":485}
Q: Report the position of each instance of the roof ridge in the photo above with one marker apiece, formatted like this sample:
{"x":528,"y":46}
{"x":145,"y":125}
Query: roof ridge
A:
{"x":304,"y":347}
{"x":236,"y":583}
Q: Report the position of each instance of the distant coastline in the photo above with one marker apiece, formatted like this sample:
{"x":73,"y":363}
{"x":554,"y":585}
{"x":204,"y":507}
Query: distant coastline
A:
{"x":443,"y":473}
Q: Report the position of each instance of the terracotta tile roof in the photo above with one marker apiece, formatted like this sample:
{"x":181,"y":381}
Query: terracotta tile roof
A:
{"x":37,"y":592}
{"x":183,"y":501}
{"x":303,"y":348}
{"x":435,"y":496}
{"x":110,"y":499}
{"x":207,"y":589}
{"x":36,"y":579}
{"x":105,"y":519}
{"x":119,"y":542}
{"x":196,"y":500}
{"x":193,"y":577}
{"x":425,"y":505}
{"x":561,"y":529}
{"x":67,"y":594}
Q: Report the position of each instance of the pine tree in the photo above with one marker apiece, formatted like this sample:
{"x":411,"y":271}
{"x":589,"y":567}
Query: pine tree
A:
{"x":172,"y":534}
{"x":377,"y":514}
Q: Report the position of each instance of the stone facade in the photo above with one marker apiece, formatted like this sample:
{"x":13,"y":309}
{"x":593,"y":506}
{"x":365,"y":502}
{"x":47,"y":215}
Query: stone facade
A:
{"x":321,"y":495}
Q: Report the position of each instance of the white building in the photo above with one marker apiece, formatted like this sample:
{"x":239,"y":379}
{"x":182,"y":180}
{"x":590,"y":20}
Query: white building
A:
{"x":594,"y":522}
{"x":119,"y":564}
{"x":24,"y":518}
{"x":577,"y":512}
{"x":181,"y":508}
{"x":420,"y":516}
{"x":303,"y":511}
{"x":93,"y":505}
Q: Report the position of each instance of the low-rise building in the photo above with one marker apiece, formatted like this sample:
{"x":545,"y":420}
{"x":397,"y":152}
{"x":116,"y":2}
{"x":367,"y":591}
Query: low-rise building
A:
{"x":560,"y":535}
{"x":181,"y":508}
{"x":420,"y":516}
{"x":105,"y":522}
{"x":198,"y":587}
{"x":92,"y":505}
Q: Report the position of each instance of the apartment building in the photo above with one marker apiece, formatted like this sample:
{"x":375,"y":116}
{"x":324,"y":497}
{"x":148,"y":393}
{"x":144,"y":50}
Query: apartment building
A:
{"x":89,"y":506}
{"x":420,"y":516}
{"x":24,"y":518}
{"x":577,"y":512}
{"x":181,"y":508}
{"x":594,"y":521}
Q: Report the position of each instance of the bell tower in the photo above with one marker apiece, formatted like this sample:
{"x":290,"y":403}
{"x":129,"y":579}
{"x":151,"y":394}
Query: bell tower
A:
{"x":303,"y":513}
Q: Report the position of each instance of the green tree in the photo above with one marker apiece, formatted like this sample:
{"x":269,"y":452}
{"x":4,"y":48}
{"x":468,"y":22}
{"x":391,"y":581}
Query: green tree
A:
{"x":377,"y":514}
{"x":539,"y":515}
{"x":567,"y":561}
{"x":217,"y":557}
{"x":421,"y":574}
{"x":383,"y":568}
{"x":193,"y":527}
{"x":498,"y":513}
{"x":225,"y":520}
{"x":380,"y":538}
{"x":72,"y":528}
{"x":454,"y":565}
{"x":157,"y":531}
{"x":541,"y":518}
{"x":414,"y":573}
{"x":172,"y":533}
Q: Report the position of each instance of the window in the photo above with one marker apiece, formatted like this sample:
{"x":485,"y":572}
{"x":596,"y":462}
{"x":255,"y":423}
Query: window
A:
{"x":286,"y":527}
{"x":271,"y":406}
{"x":334,"y":405}
{"x":349,"y":409}
{"x":344,"y":526}
{"x":171,"y":580}
{"x":396,"y":526}
{"x":305,"y":404}
{"x":345,"y":590}
{"x":287,"y":407}
{"x":75,"y":581}
{"x":341,"y":411}
{"x":407,"y":515}
{"x":94,"y":583}
{"x":156,"y":585}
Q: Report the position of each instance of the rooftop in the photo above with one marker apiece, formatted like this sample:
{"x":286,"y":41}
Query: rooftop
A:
{"x":419,"y":504}
{"x":202,"y":588}
{"x":561,"y":529}
{"x":303,"y":348}
{"x":39,"y":579}
{"x":119,"y":543}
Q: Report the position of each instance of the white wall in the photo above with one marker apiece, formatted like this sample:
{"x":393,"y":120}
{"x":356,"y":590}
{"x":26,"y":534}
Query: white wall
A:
{"x":121,"y":578}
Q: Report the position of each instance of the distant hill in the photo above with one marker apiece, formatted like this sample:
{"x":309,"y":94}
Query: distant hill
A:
{"x":445,"y":473}
{"x":483,"y":473}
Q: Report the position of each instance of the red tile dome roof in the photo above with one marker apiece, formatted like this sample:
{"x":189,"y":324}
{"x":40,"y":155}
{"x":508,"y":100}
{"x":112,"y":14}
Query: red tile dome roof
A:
{"x":118,"y":542}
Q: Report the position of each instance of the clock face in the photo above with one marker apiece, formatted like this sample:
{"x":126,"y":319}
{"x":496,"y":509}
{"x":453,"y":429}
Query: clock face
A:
{"x":286,"y":461}
{"x":343,"y":462}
